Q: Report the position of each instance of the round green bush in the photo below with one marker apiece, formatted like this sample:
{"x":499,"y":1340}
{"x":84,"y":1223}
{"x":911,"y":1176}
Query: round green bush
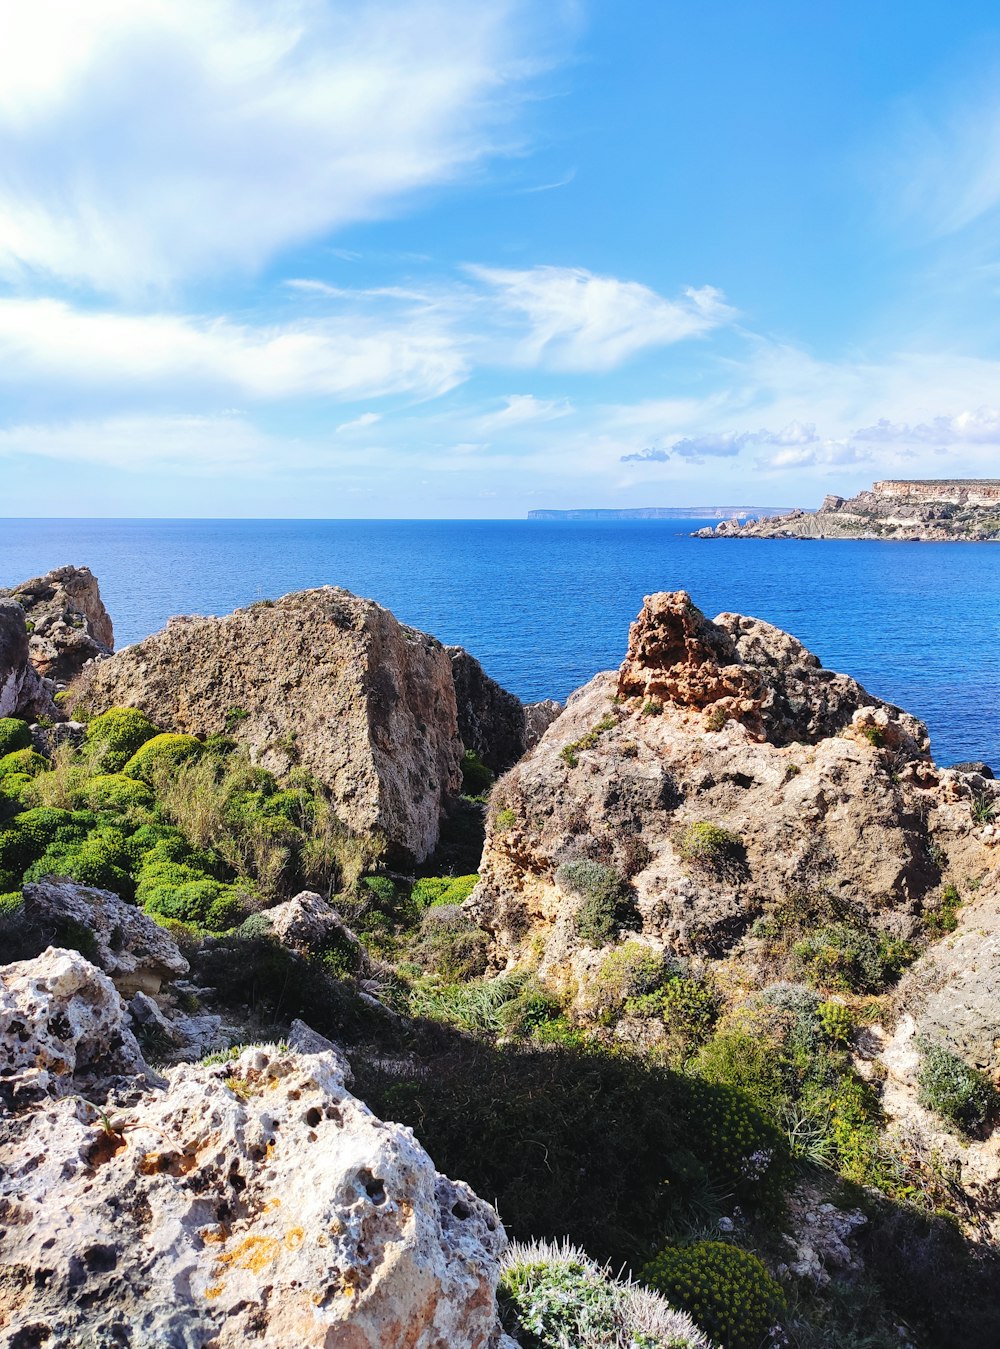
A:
{"x":14,"y":734}
{"x":86,"y":866}
{"x":726,"y":1290}
{"x":961,"y":1095}
{"x":10,"y":903}
{"x":551,"y":1304}
{"x":12,"y":786}
{"x":708,"y":844}
{"x":433,"y":890}
{"x":115,"y":791}
{"x":119,"y":733}
{"x":163,"y":751}
{"x":603,"y":909}
{"x":198,"y":900}
{"x":31,"y":832}
{"x":24,"y":761}
{"x":293,"y":804}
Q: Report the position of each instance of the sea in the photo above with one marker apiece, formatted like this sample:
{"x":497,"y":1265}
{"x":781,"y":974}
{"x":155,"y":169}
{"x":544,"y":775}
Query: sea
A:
{"x":544,"y":605}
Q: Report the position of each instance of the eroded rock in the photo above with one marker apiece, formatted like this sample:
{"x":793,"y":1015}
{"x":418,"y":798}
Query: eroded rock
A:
{"x":123,"y":941}
{"x":69,"y":623}
{"x":256,"y":1201}
{"x":22,"y":690}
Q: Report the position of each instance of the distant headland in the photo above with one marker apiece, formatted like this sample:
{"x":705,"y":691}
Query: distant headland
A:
{"x":666,"y":513}
{"x":913,"y":510}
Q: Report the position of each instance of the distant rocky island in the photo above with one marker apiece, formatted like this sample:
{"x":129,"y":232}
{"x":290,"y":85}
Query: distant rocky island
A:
{"x":665,"y":513}
{"x":932,"y":510}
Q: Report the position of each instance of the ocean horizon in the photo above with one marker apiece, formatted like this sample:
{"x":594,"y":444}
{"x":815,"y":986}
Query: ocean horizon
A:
{"x":545,"y":605}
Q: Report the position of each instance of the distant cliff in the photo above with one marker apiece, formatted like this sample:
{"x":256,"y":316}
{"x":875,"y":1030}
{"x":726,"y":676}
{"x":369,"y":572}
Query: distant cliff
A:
{"x":917,"y":510}
{"x":664,"y":513}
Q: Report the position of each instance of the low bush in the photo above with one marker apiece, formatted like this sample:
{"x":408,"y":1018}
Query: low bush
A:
{"x":117,"y":734}
{"x":708,"y":845}
{"x":23,"y":761}
{"x":161,"y":753}
{"x":848,"y":957}
{"x":116,"y":792}
{"x":628,"y":972}
{"x":726,"y":1290}
{"x":477,"y":779}
{"x":14,"y":734}
{"x":433,"y":890}
{"x":963,"y":1096}
{"x":448,"y":943}
{"x":943,"y":917}
{"x":604,"y":907}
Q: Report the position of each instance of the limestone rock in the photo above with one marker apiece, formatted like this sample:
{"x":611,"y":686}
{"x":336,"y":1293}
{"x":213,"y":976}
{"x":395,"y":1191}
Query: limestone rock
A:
{"x":70,"y":623}
{"x":730,"y":726}
{"x":321,"y":678}
{"x":491,"y":721}
{"x":62,"y":1024}
{"x":22,"y":691}
{"x":256,"y":1201}
{"x":308,"y":923}
{"x":538,"y":717}
{"x":128,"y":946}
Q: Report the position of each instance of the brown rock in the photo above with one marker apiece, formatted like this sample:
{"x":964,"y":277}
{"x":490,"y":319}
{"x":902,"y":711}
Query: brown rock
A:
{"x":70,"y":624}
{"x":22,"y":692}
{"x":320,"y":678}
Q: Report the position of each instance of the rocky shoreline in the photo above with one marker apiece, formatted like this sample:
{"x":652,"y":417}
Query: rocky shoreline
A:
{"x":710,"y":998}
{"x":905,"y":512}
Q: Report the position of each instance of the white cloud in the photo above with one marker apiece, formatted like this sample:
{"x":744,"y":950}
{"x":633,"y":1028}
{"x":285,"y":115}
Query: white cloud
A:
{"x":978,"y":427}
{"x":191,"y":445}
{"x":524,"y":407}
{"x":143,"y":142}
{"x":581,"y":322}
{"x":360,"y":423}
{"x":52,"y":344}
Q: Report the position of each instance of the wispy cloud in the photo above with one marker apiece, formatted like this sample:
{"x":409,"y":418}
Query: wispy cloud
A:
{"x":577,"y":321}
{"x":144,"y":143}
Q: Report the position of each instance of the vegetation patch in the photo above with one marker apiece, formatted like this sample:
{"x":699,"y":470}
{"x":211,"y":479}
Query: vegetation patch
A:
{"x":962,"y":1096}
{"x":726,"y":1290}
{"x":604,"y":907}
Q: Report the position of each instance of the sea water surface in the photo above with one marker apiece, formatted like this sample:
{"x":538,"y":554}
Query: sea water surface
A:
{"x":546,"y":604}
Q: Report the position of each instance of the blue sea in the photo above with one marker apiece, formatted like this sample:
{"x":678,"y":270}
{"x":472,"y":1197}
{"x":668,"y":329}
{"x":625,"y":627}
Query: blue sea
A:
{"x":544,"y":605}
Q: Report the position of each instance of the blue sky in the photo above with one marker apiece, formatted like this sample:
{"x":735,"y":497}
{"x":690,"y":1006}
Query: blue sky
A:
{"x":333,"y":258}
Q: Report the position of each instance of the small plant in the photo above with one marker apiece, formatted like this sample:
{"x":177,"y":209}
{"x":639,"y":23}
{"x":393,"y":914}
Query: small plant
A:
{"x":234,"y":715}
{"x":837,"y":1022}
{"x":726,"y":1290}
{"x":874,"y":735}
{"x":505,"y":819}
{"x":944,"y":916}
{"x":651,"y":708}
{"x":603,"y":909}
{"x":431,"y":891}
{"x":983,"y":809}
{"x":708,"y":844}
{"x":716,"y":718}
{"x":961,"y":1095}
{"x":851,"y":958}
{"x":160,"y":753}
{"x":477,"y":779}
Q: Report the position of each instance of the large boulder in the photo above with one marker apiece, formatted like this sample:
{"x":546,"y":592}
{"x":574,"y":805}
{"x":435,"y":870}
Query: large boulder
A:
{"x":124,"y":942}
{"x":721,"y":772}
{"x":22,"y":691}
{"x":491,"y":721}
{"x":69,"y":623}
{"x":254,"y":1201}
{"x":320,"y":678}
{"x":63,"y":1028}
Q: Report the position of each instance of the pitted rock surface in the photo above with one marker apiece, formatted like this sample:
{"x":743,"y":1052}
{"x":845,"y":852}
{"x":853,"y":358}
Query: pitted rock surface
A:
{"x":63,"y":1027}
{"x":70,"y":623}
{"x":254,"y":1202}
{"x":324,"y":679}
{"x":137,"y":953}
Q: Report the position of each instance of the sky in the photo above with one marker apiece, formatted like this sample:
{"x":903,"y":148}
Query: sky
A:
{"x":432,"y":259}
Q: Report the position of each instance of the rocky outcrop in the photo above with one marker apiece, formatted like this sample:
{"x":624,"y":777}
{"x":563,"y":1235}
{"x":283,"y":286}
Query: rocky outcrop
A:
{"x":255,"y":1201}
{"x":22,"y":691}
{"x":915,"y":512}
{"x":320,"y":678}
{"x":492,"y":722}
{"x":136,"y":953}
{"x":67,"y":620}
{"x":63,"y":1029}
{"x":721,"y":771}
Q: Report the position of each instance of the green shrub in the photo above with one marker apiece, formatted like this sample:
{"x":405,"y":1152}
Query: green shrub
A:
{"x":432,"y":890}
{"x":726,"y":1290}
{"x":116,"y":792}
{"x":293,"y":804}
{"x":99,"y":859}
{"x":234,"y":715}
{"x":944,"y":917}
{"x":505,"y":819}
{"x":14,"y":734}
{"x":117,"y":734}
{"x":847,"y":957}
{"x":176,"y":891}
{"x":31,"y":832}
{"x":161,"y":753}
{"x":14,"y":788}
{"x":628,"y":972}
{"x":10,"y":903}
{"x":837,"y":1022}
{"x":707,"y":844}
{"x":476,"y":777}
{"x":448,"y":943}
{"x":24,"y":761}
{"x":604,"y":909}
{"x":961,"y":1095}
{"x":477,"y":1006}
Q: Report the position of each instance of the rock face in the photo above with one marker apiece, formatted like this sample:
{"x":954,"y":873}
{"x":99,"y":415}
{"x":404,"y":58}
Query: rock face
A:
{"x":721,"y":771}
{"x":69,"y":623}
{"x":63,"y":1028}
{"x":322,"y":678}
{"x":136,"y":953}
{"x":22,"y":692}
{"x":256,"y":1201}
{"x":491,"y":721}
{"x":918,"y":511}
